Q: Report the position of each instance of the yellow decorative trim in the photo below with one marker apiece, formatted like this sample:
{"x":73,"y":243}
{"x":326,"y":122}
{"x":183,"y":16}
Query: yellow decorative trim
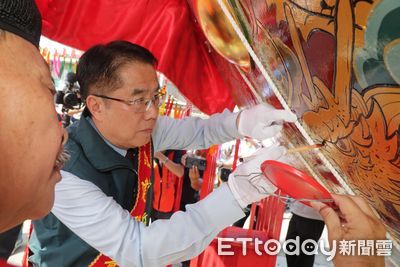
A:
{"x":110,"y":263}
{"x":146,"y":160}
{"x":95,"y":260}
{"x":145,"y":187}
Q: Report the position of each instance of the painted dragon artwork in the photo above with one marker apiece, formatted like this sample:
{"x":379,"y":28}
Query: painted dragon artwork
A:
{"x":337,"y":65}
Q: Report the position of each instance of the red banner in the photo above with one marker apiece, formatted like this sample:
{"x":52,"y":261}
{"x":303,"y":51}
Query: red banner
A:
{"x":167,"y":28}
{"x":139,"y":209}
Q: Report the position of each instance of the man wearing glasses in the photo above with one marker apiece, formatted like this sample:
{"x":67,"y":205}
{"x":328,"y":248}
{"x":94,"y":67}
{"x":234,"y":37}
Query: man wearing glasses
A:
{"x":106,"y":185}
{"x":31,"y":144}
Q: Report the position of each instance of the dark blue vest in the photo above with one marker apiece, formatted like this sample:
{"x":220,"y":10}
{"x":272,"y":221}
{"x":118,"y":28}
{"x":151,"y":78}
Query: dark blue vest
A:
{"x":52,"y":243}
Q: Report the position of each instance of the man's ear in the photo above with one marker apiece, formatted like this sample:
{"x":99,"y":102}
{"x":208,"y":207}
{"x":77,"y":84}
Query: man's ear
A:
{"x":96,"y":107}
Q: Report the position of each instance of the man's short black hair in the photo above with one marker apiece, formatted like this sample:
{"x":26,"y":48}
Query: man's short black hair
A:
{"x":98,"y":66}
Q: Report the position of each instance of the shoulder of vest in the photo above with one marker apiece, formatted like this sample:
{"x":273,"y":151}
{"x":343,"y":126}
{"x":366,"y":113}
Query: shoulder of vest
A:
{"x":73,"y":149}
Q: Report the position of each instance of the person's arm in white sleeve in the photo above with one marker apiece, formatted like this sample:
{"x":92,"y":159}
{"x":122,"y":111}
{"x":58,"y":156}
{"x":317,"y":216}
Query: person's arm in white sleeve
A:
{"x":193,"y":132}
{"x":260,"y":122}
{"x":107,"y":227}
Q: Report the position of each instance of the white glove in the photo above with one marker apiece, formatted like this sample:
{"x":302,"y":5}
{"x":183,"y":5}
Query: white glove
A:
{"x":247,"y":183}
{"x":263,"y":121}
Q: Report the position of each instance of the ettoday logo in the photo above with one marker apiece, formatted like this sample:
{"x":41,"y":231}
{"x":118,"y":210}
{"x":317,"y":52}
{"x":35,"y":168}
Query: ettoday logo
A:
{"x":273,"y":247}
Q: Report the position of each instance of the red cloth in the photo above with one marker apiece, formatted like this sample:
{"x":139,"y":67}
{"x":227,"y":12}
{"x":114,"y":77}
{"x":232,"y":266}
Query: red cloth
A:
{"x":166,"y":28}
{"x":210,"y":257}
{"x":3,"y":263}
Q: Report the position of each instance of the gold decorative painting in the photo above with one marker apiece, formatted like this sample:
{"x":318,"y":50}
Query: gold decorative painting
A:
{"x":337,"y":65}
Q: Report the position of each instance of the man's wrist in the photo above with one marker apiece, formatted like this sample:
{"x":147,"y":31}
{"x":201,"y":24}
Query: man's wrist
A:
{"x":165,"y":161}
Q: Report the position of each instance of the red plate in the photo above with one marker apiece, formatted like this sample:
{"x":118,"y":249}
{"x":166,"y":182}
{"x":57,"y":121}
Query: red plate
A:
{"x":294,"y":182}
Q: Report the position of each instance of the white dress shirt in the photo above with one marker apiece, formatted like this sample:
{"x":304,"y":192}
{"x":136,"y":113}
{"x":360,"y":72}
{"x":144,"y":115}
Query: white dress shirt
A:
{"x":101,"y":222}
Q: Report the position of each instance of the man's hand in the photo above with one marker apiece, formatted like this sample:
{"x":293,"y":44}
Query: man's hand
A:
{"x":194,"y":173}
{"x":354,"y":220}
{"x":263,"y":121}
{"x":195,"y":180}
{"x":247,"y":183}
